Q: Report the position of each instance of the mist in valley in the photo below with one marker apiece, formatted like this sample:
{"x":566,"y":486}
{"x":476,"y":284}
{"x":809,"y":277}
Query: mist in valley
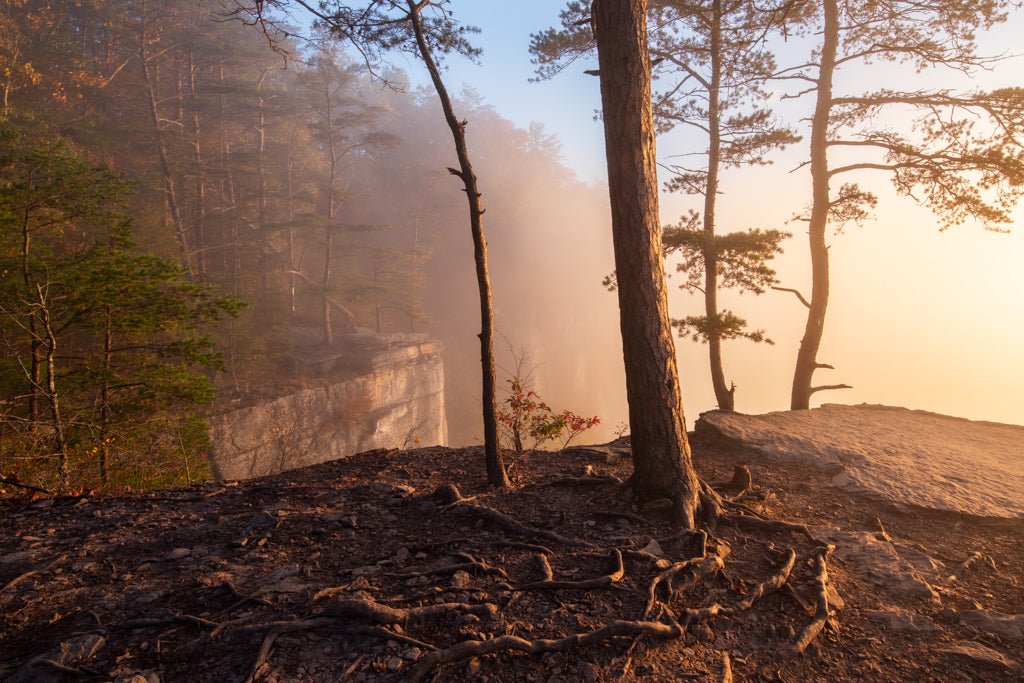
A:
{"x":302,"y":201}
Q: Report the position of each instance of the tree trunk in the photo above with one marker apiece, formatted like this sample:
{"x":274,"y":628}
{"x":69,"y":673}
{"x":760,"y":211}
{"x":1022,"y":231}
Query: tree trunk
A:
{"x":35,"y":345}
{"x":723,"y":393}
{"x":807,"y":358}
{"x":662,"y":467}
{"x":199,"y":220}
{"x":59,"y":439}
{"x":104,"y":427}
{"x":165,"y":164}
{"x":496,"y":474}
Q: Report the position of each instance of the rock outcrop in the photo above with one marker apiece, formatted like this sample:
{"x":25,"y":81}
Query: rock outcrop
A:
{"x":378,"y":392}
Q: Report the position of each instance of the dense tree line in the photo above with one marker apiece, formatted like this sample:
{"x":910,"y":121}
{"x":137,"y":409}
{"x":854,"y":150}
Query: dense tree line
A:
{"x":294,"y":185}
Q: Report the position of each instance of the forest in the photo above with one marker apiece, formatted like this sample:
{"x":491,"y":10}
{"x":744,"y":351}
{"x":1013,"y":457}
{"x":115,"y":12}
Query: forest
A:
{"x":192,"y":189}
{"x":201,"y":202}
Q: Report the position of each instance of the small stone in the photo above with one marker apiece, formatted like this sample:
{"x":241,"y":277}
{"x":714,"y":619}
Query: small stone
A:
{"x":395,"y":663}
{"x":365,"y":571}
{"x":402,"y":555}
{"x":703,"y":632}
{"x":413,"y":653}
{"x":177,"y":554}
{"x":461,"y":579}
{"x":473,"y":666}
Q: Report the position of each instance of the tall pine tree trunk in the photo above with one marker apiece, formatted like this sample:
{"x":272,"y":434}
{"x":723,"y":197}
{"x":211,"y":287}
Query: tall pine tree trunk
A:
{"x":496,"y":474}
{"x":807,"y":358}
{"x":723,"y":393}
{"x":662,"y":466}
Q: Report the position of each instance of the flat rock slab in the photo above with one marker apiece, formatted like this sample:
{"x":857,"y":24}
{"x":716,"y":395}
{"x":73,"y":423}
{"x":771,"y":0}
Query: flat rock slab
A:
{"x":908,"y":457}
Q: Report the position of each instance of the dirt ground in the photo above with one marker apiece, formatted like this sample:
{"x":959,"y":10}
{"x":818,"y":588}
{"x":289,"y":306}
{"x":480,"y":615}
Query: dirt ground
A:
{"x":186,"y":585}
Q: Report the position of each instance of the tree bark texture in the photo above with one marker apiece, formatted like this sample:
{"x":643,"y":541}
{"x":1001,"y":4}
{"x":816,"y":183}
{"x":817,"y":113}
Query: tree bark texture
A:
{"x":661,"y":451}
{"x":807,"y":358}
{"x":496,"y":474}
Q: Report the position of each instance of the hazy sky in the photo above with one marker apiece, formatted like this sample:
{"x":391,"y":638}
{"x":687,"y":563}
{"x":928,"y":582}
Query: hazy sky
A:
{"x":919,"y":318}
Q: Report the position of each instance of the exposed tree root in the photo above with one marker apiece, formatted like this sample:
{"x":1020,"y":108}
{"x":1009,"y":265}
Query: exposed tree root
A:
{"x":660,"y":618}
{"x":384,"y":615}
{"x":965,"y":565}
{"x":454,"y":502}
{"x":582,"y":482}
{"x":272,"y":635}
{"x":620,"y":514}
{"x":17,"y":580}
{"x":822,"y":611}
{"x":606,"y":581}
{"x":172,"y":619}
{"x":471,"y":565}
{"x":477,"y":648}
{"x":544,"y":550}
{"x":726,"y":676}
{"x":741,"y":482}
{"x":770,"y":585}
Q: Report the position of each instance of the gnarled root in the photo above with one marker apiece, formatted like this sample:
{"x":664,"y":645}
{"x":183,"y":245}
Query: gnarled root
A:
{"x":606,"y":581}
{"x":822,"y":611}
{"x":449,"y":494}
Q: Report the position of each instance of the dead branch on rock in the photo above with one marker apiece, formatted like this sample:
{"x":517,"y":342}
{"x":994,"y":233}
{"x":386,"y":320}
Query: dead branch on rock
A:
{"x":454,"y":502}
{"x":822,"y":611}
{"x":772,"y":584}
{"x":606,"y":581}
{"x":760,"y":524}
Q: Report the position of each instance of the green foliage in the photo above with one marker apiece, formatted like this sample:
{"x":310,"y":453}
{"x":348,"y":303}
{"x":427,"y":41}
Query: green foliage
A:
{"x":726,"y":325}
{"x":742,"y":257}
{"x":116,"y":401}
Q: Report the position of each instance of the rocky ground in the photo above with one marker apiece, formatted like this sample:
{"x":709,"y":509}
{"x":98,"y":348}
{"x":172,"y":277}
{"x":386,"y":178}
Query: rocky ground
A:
{"x":357,"y":570}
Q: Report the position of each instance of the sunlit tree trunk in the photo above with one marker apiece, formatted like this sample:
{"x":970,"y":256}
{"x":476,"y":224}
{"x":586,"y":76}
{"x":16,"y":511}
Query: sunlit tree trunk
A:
{"x":661,"y":451}
{"x":807,"y":358}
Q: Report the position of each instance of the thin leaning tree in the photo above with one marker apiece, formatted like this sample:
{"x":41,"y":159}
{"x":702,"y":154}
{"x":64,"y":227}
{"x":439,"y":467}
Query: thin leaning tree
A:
{"x":964,"y":160}
{"x":425,"y":29}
